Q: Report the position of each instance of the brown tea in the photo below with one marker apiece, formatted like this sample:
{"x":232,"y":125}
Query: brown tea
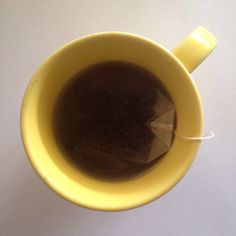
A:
{"x":102,"y":114}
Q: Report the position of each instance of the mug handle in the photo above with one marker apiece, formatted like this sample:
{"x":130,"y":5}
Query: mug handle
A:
{"x":195,"y":48}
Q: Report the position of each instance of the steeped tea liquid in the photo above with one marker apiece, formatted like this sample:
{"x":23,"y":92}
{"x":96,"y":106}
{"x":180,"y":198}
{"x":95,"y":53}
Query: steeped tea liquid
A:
{"x":102,"y":114}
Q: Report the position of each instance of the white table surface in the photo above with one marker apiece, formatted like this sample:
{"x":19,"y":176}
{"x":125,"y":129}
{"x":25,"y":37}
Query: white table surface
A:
{"x":204,"y":202}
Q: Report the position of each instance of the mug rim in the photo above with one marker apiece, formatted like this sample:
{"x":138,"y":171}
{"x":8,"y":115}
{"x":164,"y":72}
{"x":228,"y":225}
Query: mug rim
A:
{"x":51,"y":58}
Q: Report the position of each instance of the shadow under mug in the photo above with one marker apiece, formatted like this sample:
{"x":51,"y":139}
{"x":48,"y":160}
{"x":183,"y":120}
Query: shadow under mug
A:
{"x":172,"y":68}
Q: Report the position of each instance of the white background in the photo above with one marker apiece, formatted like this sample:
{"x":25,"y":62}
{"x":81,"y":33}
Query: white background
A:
{"x":204,"y":202}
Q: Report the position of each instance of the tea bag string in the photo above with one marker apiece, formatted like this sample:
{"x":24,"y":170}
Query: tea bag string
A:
{"x":207,"y":135}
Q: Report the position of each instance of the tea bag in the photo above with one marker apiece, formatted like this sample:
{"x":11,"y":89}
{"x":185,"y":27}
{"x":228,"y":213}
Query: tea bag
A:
{"x":140,"y":141}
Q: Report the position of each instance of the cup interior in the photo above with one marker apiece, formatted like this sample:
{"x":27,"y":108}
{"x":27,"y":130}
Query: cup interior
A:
{"x":48,"y":159}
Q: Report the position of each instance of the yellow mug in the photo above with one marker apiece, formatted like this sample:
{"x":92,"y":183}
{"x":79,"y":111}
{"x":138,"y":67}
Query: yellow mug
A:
{"x":173,"y":69}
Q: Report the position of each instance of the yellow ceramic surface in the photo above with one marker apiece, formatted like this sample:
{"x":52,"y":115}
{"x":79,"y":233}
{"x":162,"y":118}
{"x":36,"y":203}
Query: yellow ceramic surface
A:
{"x":195,"y":48}
{"x":36,"y":116}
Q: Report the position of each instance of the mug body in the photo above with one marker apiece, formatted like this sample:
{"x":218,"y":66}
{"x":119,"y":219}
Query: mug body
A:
{"x":47,"y":157}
